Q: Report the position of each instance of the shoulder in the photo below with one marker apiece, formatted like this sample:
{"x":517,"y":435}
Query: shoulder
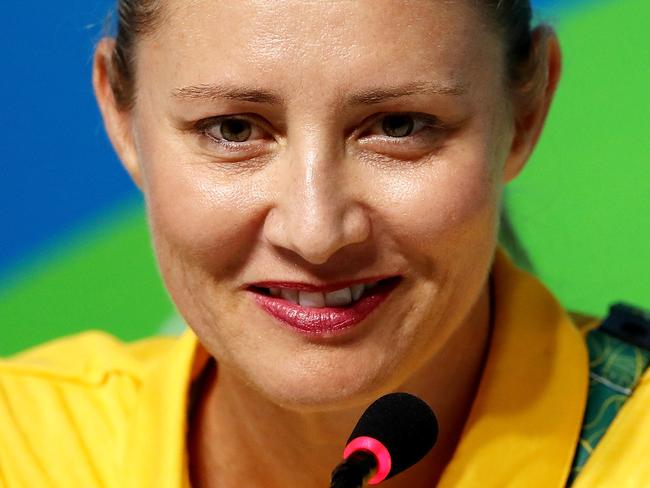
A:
{"x":616,"y":430}
{"x":68,"y":401}
{"x":585,"y":323}
{"x":86,"y":358}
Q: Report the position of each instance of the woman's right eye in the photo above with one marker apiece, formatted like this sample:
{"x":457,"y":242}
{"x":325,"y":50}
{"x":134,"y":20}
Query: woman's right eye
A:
{"x":398,"y":125}
{"x":231,"y":130}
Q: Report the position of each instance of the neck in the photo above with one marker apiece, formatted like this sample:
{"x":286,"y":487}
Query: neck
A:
{"x":235,"y":428}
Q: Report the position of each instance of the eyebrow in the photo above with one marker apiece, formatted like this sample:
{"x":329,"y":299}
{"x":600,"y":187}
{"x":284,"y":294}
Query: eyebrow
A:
{"x":378,"y":95}
{"x":216,"y":91}
{"x":364,"y":97}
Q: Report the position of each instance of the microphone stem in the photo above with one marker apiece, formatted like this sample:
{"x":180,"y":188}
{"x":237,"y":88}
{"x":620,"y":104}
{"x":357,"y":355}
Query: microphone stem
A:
{"x":358,"y":468}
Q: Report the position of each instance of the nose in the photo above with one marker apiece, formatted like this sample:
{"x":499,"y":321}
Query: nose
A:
{"x":315,"y":213}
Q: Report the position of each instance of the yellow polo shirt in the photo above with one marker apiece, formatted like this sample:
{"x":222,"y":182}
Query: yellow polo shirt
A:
{"x":89,"y":411}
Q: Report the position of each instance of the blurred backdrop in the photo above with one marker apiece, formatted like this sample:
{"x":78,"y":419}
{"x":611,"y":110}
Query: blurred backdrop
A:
{"x":74,"y":250}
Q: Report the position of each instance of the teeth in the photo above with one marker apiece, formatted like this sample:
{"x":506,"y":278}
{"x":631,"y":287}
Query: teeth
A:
{"x":357,"y":291}
{"x":310,"y":299}
{"x":289,"y":295}
{"x":338,"y":298}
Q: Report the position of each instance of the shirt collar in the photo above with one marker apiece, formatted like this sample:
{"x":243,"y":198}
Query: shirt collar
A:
{"x":526,"y":418}
{"x":155,"y":453}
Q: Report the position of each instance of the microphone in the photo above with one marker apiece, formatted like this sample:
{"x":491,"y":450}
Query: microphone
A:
{"x":394,"y":433}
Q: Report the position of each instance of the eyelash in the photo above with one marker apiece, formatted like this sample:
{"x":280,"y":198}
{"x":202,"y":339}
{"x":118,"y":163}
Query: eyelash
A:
{"x":203,"y":127}
{"x":422,"y":121}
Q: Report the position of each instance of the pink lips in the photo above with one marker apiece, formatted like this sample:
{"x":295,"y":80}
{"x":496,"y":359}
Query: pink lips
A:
{"x":321,"y":321}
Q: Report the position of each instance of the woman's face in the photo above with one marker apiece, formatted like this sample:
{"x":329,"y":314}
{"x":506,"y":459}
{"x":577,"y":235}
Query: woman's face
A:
{"x":309,"y":144}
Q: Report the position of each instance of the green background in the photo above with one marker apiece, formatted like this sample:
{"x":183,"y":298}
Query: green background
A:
{"x":581,"y":207}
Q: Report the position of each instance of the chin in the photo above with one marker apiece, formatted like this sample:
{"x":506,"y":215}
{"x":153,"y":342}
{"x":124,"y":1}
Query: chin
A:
{"x":326,"y":386}
{"x":324,"y":399}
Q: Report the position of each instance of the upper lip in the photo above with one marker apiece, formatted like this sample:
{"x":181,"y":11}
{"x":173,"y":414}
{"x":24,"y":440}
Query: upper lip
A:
{"x":323,"y":288}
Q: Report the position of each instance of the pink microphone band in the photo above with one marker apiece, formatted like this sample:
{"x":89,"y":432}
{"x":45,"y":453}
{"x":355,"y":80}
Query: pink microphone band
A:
{"x":378,"y":450}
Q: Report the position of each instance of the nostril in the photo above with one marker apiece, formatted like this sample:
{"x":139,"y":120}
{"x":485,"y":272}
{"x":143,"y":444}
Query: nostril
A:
{"x":315,"y":227}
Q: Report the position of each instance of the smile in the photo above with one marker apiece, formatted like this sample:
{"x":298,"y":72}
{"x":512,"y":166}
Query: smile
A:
{"x":322,"y":310}
{"x":314,"y":299}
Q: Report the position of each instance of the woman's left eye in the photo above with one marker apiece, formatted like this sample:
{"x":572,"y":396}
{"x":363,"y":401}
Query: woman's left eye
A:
{"x":401,"y":125}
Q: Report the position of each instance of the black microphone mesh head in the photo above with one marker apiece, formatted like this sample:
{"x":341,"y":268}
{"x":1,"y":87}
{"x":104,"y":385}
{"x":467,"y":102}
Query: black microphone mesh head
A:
{"x":404,"y":424}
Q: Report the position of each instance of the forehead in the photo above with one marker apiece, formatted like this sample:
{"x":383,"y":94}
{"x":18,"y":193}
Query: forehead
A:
{"x":298,"y":44}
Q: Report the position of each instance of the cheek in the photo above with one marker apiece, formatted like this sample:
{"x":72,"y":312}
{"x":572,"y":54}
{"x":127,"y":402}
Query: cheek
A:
{"x":445,"y":207}
{"x":198,"y":218}
{"x":199,"y":221}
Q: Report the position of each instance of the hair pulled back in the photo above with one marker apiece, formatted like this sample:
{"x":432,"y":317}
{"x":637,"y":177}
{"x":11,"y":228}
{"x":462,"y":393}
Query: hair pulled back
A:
{"x":136,"y":18}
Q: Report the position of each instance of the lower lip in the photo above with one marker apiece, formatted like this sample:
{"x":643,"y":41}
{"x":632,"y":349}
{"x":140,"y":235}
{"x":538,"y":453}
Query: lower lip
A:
{"x":326,"y":320}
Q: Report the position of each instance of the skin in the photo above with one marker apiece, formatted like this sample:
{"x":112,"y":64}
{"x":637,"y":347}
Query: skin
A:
{"x":320,"y":194}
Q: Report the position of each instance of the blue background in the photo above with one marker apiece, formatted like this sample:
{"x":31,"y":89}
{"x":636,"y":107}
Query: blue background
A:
{"x":58,"y":170}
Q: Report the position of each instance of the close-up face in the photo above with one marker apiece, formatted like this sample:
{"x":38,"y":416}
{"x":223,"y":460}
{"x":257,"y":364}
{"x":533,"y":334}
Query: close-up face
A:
{"x":292,"y":151}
